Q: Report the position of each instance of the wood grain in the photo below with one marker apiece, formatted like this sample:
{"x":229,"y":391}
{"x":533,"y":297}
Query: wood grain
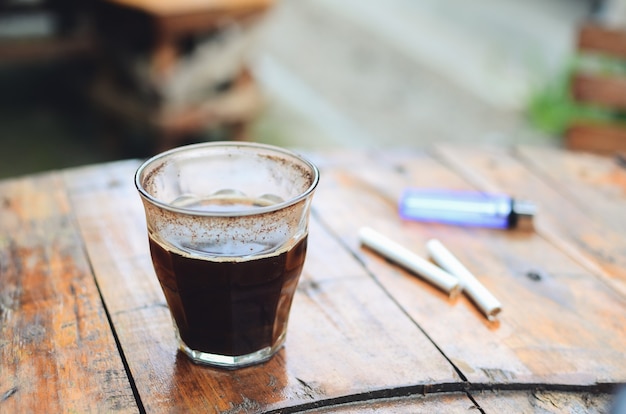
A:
{"x":489,"y":402}
{"x":554,"y":402}
{"x":418,"y":404}
{"x":57,"y":350}
{"x":346,"y":335}
{"x":595,"y":184}
{"x":566,"y":222}
{"x":365,"y":335}
{"x":556,"y":340}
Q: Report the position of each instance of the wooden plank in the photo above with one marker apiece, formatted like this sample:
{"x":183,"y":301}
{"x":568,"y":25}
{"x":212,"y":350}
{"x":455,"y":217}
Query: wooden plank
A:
{"x":331,"y":350}
{"x":597,"y":247}
{"x":489,"y":402}
{"x":166,"y":8}
{"x":601,"y":138}
{"x":57,"y":350}
{"x":542,"y":402}
{"x":598,"y":38}
{"x":605,"y":91}
{"x":595,"y":183}
{"x":602,"y":90}
{"x":200,"y":22}
{"x":560,"y":325}
{"x":416,"y":404}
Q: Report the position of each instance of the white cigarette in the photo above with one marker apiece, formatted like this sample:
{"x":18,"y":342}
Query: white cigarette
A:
{"x":478,"y":293}
{"x":410,"y":260}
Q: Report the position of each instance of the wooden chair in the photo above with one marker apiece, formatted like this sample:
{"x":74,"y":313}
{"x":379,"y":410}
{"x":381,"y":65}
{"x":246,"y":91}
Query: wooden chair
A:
{"x":605,"y":91}
{"x":155,"y":57}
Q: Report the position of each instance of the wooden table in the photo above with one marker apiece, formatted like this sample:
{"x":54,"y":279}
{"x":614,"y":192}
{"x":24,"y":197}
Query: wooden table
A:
{"x":85,"y":328}
{"x":167,"y":23}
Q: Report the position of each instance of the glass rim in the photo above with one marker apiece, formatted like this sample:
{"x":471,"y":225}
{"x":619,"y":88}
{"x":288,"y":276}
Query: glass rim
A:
{"x":251,"y":212}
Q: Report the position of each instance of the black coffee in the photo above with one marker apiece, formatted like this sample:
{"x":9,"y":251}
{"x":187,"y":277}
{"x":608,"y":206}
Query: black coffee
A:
{"x":229,"y":307}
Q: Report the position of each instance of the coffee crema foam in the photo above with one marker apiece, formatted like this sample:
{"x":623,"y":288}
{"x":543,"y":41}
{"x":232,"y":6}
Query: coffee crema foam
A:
{"x":225,"y":201}
{"x":229,"y":245}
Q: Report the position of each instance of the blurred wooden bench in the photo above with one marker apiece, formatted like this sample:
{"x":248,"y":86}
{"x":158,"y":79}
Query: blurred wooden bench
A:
{"x":177,"y":68}
{"x":605,"y":91}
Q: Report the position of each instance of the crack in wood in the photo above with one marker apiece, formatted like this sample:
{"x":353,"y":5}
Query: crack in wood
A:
{"x":443,"y":388}
{"x":246,"y":406}
{"x":308,"y":391}
{"x":8,"y":394}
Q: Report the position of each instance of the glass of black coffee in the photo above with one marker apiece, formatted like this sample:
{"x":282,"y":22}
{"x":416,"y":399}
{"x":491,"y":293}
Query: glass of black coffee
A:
{"x":227,"y":229}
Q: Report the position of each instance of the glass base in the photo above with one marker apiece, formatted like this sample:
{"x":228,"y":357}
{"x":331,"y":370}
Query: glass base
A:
{"x":229,"y":361}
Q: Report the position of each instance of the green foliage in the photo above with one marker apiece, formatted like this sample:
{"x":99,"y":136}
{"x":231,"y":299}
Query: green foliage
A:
{"x":551,"y":108}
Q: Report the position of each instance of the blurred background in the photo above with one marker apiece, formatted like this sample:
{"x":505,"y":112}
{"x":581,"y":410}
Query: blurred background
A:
{"x":98,"y":80}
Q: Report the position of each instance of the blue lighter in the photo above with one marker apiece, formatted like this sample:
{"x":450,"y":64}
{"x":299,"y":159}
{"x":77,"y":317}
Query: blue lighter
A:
{"x":468,"y":208}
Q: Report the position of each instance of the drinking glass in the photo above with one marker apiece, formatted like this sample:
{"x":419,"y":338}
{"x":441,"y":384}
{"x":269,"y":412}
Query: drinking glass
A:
{"x":227,"y":228}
